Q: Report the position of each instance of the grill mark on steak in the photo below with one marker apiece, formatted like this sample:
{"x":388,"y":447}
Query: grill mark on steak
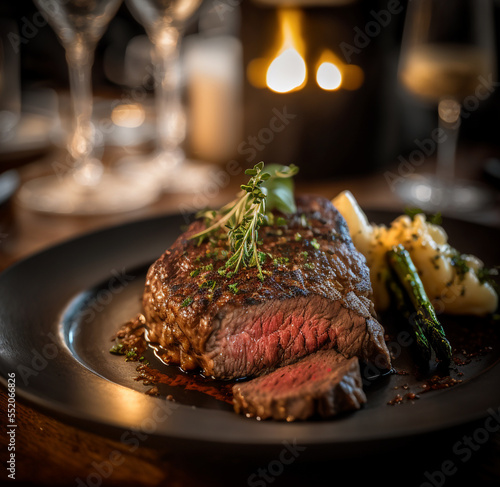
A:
{"x":295,"y":311}
{"x":324,"y":383}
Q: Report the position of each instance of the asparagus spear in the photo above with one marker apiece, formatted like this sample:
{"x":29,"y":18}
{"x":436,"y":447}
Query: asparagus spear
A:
{"x":422,"y":344}
{"x":401,"y":263}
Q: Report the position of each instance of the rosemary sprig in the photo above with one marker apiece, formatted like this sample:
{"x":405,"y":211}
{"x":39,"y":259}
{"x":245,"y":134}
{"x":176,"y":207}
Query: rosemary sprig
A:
{"x":242,"y":218}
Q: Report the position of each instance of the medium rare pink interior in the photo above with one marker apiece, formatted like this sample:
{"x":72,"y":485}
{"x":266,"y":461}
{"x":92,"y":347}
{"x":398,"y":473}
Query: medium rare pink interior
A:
{"x":281,"y":333}
{"x":298,"y":375}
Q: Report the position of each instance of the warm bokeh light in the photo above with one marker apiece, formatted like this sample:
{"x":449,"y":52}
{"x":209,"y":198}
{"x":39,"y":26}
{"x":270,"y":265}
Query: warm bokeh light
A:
{"x":129,"y":116}
{"x":333,"y":74}
{"x":284,"y":68}
{"x":353,"y":77}
{"x":328,"y":76}
{"x":256,"y":72}
{"x":287,"y":70}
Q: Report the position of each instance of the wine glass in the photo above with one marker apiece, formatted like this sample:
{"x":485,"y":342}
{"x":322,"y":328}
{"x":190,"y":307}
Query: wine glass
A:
{"x":84,"y":187}
{"x":164,"y":21}
{"x":447,"y":55}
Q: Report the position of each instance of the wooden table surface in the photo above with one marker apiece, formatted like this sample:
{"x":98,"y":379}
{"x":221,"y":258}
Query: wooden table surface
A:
{"x":49,"y":451}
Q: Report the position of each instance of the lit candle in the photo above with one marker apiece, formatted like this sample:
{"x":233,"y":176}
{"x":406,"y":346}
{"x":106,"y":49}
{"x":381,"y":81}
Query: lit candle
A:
{"x":214,"y":79}
{"x":287,"y":71}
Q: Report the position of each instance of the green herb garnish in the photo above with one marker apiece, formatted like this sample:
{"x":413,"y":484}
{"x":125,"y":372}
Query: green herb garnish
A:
{"x":194,"y":273}
{"x":460,"y":265}
{"x":243,"y":217}
{"x":281,"y":260}
{"x":486,"y":276}
{"x":131,"y":354}
{"x":435,"y":219}
{"x":233,"y":288}
{"x":187,"y":302}
{"x":117,"y":349}
{"x":209,"y":285}
{"x":315,"y":243}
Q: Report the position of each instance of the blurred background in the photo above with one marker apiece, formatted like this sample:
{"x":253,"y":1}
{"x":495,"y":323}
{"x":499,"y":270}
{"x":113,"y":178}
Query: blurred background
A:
{"x":309,"y":82}
{"x":337,"y":132}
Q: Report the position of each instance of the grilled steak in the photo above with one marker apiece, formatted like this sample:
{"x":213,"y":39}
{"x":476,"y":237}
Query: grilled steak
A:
{"x":315,"y":295}
{"x":324,"y":383}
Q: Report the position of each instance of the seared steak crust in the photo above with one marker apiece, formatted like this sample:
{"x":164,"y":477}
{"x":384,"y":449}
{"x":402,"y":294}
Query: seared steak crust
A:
{"x":315,"y":295}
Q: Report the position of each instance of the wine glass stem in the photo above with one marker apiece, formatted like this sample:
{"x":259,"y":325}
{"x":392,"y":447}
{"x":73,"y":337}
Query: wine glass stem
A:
{"x":80,"y":58}
{"x":169,"y":111}
{"x":449,"y":124}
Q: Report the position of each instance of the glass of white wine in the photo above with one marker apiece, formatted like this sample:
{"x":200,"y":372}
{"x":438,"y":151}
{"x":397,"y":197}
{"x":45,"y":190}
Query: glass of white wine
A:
{"x":85,"y":187}
{"x":447,"y":54}
{"x":164,"y":22}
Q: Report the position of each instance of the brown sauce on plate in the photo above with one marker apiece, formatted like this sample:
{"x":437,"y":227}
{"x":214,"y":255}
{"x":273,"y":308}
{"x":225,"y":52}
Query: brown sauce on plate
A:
{"x":131,"y":342}
{"x":472,"y":339}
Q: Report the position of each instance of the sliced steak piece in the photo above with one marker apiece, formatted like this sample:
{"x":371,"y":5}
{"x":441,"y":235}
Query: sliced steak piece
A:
{"x":324,"y":383}
{"x":315,"y":295}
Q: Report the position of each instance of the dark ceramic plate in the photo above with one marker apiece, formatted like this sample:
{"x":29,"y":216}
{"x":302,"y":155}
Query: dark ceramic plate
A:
{"x":61,"y":307}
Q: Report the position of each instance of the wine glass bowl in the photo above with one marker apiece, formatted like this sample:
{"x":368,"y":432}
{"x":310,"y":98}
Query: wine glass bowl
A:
{"x":86,"y":187}
{"x":162,"y":16}
{"x":79,"y":25}
{"x":447,"y":52}
{"x":78,"y":22}
{"x":433,"y":71}
{"x":164,"y":22}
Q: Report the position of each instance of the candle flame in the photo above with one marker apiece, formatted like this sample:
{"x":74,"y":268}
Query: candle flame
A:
{"x":328,"y":76}
{"x":332,"y":74}
{"x":287,"y":72}
{"x":328,"y":71}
